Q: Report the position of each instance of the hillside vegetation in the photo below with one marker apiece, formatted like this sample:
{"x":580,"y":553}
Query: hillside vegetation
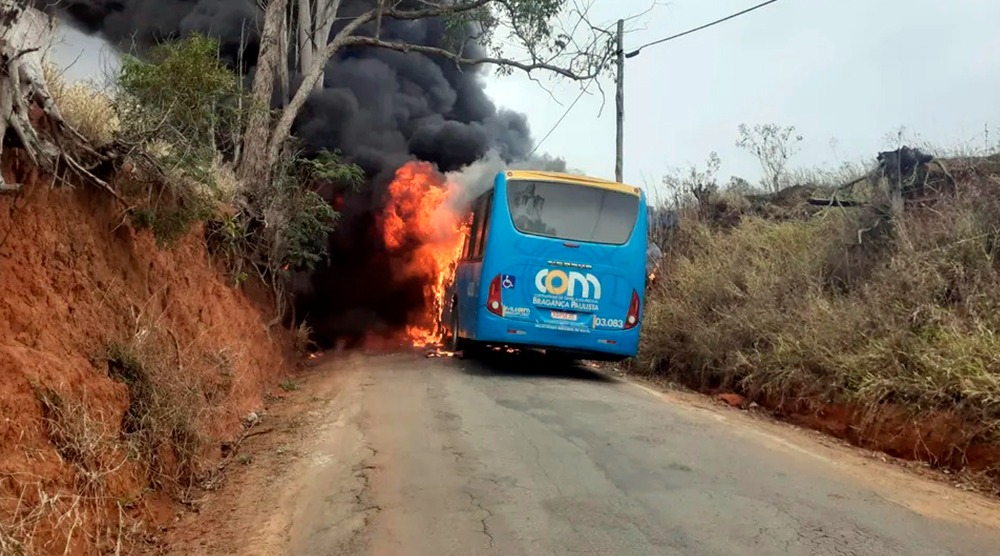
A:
{"x":142,"y":286}
{"x":875,"y":318}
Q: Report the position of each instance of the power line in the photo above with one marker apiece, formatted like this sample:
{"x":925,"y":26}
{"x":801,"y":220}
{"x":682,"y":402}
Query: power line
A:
{"x":636,"y":53}
{"x":560,"y":120}
{"x":696,"y":29}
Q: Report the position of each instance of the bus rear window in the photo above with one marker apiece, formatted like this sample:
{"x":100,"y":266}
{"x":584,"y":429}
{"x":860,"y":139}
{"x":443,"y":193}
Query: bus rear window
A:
{"x":572,"y":212}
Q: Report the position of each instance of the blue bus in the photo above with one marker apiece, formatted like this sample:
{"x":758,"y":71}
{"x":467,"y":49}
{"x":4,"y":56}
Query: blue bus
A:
{"x":553,"y":262}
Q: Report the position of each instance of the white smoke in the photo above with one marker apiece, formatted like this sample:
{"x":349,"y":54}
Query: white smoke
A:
{"x":475,"y":179}
{"x":466,"y":184}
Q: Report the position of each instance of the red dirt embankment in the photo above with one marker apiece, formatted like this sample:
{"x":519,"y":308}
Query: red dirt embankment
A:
{"x":75,"y":279}
{"x":943,"y":439}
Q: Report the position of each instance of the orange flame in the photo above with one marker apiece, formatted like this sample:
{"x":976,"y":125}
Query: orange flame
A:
{"x":418,"y":217}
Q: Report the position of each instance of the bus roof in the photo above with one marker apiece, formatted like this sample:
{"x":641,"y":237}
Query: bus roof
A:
{"x":537,"y":175}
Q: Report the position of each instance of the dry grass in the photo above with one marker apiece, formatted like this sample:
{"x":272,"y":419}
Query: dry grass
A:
{"x":162,"y":423}
{"x":43,"y":522}
{"x":33,"y":511}
{"x":47,"y":518}
{"x":226,"y":183}
{"x":168,"y":405}
{"x":793,"y":310}
{"x":302,"y":338}
{"x":84,"y":439}
{"x":85,"y":108}
{"x":115,"y":456}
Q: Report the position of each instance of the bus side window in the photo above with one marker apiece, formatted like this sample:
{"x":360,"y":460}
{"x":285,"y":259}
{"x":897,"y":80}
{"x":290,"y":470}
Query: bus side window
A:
{"x":476,"y":239}
{"x":470,"y":243}
{"x":465,"y":247}
{"x":487,"y":216}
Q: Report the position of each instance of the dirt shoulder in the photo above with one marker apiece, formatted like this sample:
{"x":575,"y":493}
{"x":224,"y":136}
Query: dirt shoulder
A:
{"x":253,"y":509}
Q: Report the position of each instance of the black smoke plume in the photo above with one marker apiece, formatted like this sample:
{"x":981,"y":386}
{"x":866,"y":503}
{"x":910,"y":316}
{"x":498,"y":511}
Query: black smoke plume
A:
{"x":380,"y":108}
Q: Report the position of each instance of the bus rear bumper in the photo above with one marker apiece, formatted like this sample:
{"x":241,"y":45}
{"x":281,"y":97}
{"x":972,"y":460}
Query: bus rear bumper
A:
{"x":588,"y":343}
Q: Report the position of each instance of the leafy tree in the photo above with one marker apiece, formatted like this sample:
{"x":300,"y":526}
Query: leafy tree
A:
{"x":739,"y":186}
{"x":179,"y":108}
{"x":283,"y":226}
{"x":328,"y":166}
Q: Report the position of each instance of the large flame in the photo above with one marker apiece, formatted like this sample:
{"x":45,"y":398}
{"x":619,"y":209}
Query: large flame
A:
{"x":419,"y":221}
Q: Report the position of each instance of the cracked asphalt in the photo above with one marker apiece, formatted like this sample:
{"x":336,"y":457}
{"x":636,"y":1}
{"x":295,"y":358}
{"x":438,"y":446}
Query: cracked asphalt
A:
{"x":517,"y":456}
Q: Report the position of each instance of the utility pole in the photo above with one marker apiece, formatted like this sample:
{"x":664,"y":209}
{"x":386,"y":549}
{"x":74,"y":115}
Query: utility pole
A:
{"x":620,"y":102}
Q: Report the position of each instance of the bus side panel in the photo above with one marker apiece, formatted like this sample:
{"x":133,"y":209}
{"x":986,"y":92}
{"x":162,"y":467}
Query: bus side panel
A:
{"x":503,"y":256}
{"x":467,"y":292}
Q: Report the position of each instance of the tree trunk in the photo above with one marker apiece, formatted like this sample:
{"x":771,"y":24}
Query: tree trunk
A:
{"x":326,"y":14}
{"x":379,"y":8}
{"x":255,"y":168}
{"x":25,"y":100}
{"x":307,"y":48}
{"x":284,"y":47}
{"x":283,"y":128}
{"x":312,"y":77}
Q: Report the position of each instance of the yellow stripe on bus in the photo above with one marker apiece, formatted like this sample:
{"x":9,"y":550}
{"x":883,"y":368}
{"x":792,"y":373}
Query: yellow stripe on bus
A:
{"x":533,"y":175}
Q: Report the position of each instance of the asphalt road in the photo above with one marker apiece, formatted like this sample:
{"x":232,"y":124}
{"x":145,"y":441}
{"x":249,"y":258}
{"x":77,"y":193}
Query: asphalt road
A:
{"x":518,"y":456}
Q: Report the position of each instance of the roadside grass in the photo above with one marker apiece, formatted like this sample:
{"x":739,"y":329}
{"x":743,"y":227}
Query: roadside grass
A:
{"x":799,"y":316}
{"x":163,"y":421}
{"x":302,"y":338}
{"x":46,"y":517}
{"x":172,"y":390}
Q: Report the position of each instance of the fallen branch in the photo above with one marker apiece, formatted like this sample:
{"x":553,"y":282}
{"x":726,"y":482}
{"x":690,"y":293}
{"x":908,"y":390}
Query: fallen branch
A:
{"x":214,"y":481}
{"x":835,"y":202}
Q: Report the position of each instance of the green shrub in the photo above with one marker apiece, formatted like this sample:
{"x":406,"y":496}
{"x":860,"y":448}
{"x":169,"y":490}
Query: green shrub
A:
{"x":184,"y":98}
{"x":180,"y":107}
{"x":298,"y":219}
{"x":170,"y":222}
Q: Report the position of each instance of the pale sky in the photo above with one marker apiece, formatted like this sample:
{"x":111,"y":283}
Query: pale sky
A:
{"x":848,"y":74}
{"x":851,"y":70}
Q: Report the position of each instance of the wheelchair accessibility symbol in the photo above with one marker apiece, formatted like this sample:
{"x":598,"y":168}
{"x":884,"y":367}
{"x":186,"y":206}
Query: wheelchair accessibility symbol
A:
{"x":507,"y":281}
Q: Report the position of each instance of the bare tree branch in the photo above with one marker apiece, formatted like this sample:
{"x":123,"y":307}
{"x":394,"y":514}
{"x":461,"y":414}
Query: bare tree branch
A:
{"x":526,"y":67}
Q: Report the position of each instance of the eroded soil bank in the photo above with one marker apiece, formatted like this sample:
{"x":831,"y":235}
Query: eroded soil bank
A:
{"x":126,"y":369}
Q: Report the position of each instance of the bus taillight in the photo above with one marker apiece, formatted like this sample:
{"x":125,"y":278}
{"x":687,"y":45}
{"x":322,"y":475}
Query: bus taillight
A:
{"x":632,"y":318}
{"x":494,"y":303}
